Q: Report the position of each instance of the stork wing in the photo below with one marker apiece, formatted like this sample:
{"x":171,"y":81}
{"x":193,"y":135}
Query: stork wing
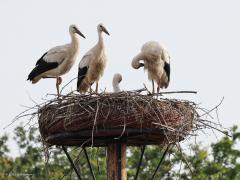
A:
{"x":165,"y":56}
{"x":83,"y":67}
{"x":41,"y":67}
{"x":167,"y":70}
{"x":56,"y":54}
{"x":81,"y":75}
{"x":85,"y":61}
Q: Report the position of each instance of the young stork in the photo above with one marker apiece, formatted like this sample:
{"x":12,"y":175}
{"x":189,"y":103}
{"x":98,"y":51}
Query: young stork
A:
{"x":92,"y":64}
{"x":58,"y":60}
{"x":117,"y":78}
{"x":156,"y":61}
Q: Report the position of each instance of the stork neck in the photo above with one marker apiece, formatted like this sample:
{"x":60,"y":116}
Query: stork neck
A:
{"x":74,"y":42}
{"x":100,"y":38}
{"x":116,"y":87}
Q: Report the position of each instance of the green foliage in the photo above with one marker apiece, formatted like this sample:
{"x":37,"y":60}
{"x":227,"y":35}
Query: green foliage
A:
{"x":220,"y":161}
{"x":6,"y":162}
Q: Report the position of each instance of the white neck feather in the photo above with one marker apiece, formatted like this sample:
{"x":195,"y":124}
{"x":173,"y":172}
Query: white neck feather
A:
{"x":117,"y":78}
{"x":116,"y":87}
{"x":100,"y":38}
{"x":74,"y":43}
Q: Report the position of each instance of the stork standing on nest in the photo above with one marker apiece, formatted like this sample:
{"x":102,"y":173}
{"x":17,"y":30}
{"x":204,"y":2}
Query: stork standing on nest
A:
{"x":58,"y":60}
{"x":117,"y":78}
{"x":93,"y":63}
{"x":156,"y":61}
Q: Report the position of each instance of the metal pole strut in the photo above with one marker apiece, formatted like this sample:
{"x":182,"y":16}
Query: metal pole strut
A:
{"x":161,"y":160}
{"x":72,"y":164}
{"x":89,"y":164}
{"x":140,"y":162}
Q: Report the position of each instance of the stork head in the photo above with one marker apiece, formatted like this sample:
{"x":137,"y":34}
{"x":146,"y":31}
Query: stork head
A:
{"x":136,"y":63}
{"x":117,"y":78}
{"x":73,"y":29}
{"x":101,"y":28}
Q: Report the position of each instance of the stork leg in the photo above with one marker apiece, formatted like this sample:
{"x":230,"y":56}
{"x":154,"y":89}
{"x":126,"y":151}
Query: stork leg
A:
{"x":158,"y":91}
{"x":153,"y":88}
{"x":96,"y":87}
{"x":90,"y":90}
{"x":58,"y":82}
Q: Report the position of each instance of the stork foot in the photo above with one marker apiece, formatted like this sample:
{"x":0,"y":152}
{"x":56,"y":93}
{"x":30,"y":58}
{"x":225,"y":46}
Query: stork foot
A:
{"x":150,"y":93}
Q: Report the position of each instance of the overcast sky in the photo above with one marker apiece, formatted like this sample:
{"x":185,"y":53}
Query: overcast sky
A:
{"x":202,"y":38}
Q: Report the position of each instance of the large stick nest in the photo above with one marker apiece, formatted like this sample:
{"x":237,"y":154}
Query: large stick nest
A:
{"x":128,"y":117}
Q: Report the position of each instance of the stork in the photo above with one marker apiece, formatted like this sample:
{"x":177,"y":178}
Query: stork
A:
{"x":156,"y":61}
{"x":117,"y":78}
{"x":58,"y":60}
{"x":93,"y":63}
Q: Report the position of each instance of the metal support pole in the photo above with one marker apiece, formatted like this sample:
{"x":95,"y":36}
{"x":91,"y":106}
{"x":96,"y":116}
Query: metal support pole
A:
{"x":71,"y":162}
{"x":89,"y":164}
{"x":140,"y":162}
{"x":161,"y":160}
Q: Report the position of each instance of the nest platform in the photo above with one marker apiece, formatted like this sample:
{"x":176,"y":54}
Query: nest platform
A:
{"x":127,"y":117}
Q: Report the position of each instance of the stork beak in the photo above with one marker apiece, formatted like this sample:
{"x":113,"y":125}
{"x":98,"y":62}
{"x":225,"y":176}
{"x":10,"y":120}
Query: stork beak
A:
{"x":105,"y":30}
{"x":141,"y":65}
{"x":120,"y":80}
{"x":78,"y":32}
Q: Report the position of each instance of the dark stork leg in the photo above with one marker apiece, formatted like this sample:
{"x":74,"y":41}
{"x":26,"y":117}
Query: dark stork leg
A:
{"x":58,"y":82}
{"x":153,"y":88}
{"x":96,"y":91}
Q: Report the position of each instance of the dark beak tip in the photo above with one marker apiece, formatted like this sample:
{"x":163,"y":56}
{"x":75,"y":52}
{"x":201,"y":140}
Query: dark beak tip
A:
{"x":81,"y":34}
{"x":106,"y":32}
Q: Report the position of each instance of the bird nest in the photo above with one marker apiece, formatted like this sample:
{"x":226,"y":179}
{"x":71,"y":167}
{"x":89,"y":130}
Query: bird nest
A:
{"x":127,"y":117}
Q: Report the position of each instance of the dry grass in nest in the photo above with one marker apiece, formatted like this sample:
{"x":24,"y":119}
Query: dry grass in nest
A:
{"x":130,"y":117}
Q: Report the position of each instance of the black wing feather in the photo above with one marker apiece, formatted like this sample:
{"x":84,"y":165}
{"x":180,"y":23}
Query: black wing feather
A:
{"x":167,"y":70}
{"x":81,"y":74}
{"x":41,"y":58}
{"x":41,"y":67}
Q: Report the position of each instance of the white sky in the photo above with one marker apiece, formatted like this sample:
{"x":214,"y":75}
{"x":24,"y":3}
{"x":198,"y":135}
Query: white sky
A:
{"x":201,"y":36}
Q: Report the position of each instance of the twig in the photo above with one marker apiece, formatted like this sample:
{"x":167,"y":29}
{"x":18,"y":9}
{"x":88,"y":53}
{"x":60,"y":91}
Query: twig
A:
{"x":214,"y":107}
{"x":67,"y":84}
{"x":176,"y":92}
{"x":95,"y":120}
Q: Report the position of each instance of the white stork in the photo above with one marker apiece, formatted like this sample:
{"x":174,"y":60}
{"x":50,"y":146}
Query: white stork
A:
{"x":156,"y":61}
{"x":93,"y":63}
{"x":58,"y":60}
{"x":117,"y":78}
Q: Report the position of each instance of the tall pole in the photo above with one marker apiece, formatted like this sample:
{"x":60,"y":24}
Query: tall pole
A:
{"x":116,"y":162}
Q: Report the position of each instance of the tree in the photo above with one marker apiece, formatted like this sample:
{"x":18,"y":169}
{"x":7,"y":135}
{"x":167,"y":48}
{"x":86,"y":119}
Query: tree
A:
{"x":6,"y":163}
{"x":220,"y":161}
